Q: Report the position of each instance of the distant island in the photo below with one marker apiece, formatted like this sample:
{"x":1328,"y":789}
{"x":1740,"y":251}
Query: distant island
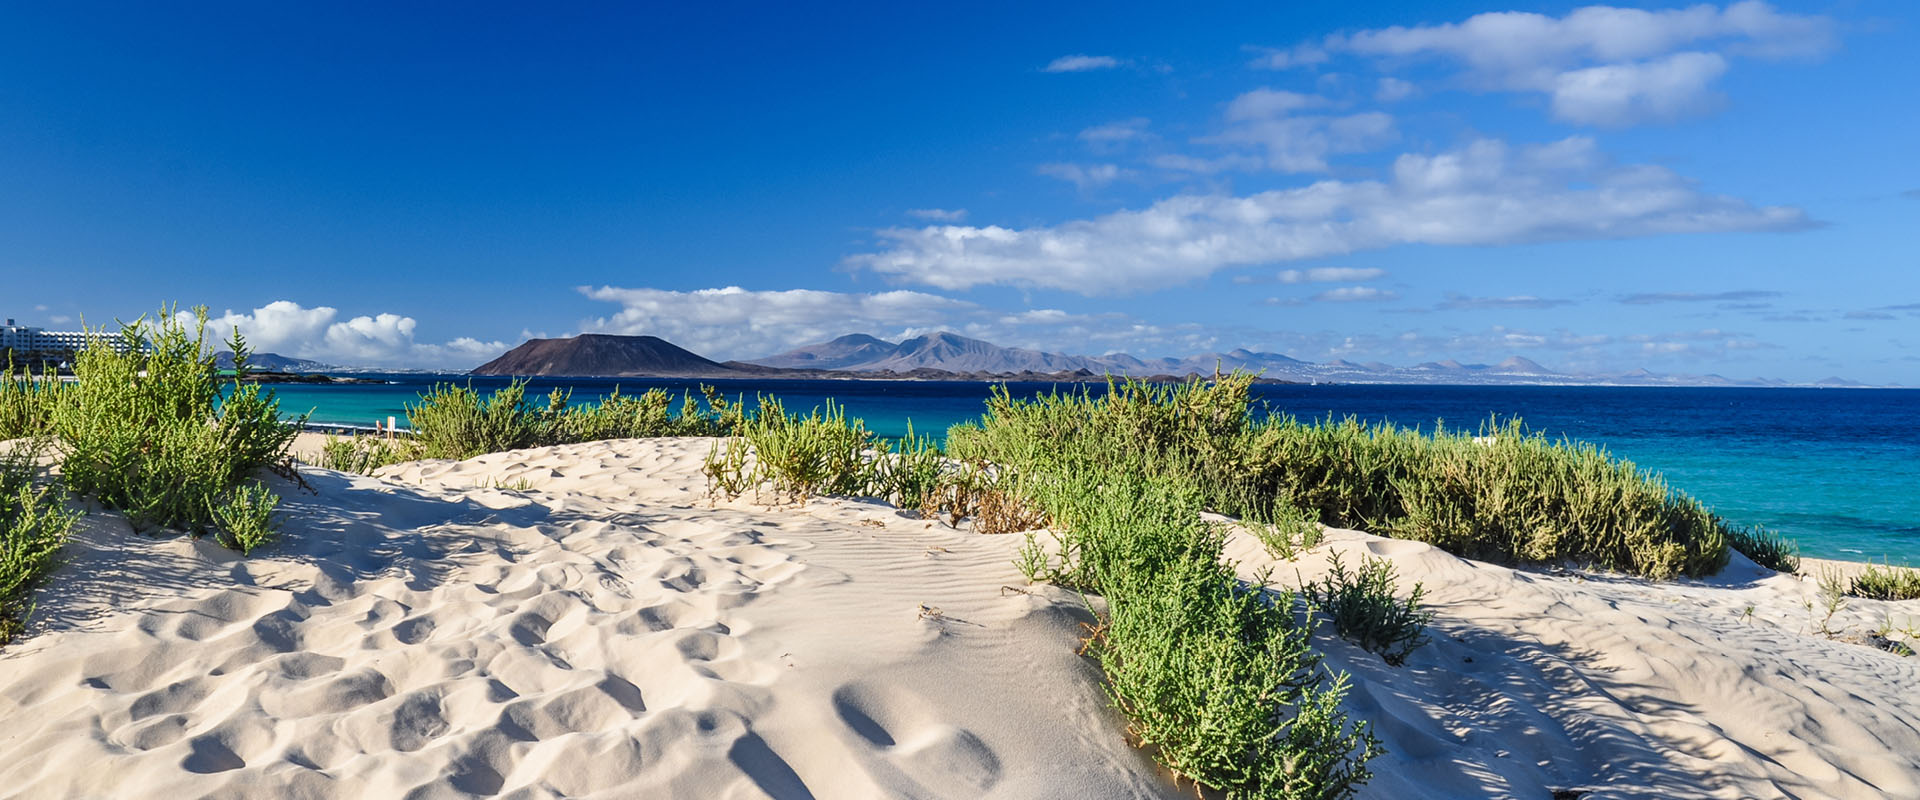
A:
{"x":950,"y":356}
{"x":600,"y":355}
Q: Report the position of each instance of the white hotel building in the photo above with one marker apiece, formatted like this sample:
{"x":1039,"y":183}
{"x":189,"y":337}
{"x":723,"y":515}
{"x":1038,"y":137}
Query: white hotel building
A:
{"x":24,"y":342}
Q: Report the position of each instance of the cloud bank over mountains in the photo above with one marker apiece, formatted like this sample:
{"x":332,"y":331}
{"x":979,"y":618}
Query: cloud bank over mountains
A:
{"x":320,"y":334}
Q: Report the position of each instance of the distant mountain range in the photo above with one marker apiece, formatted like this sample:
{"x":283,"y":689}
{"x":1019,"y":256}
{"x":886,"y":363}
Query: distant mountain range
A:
{"x":950,"y":356}
{"x":861,"y":353}
{"x":271,"y":362}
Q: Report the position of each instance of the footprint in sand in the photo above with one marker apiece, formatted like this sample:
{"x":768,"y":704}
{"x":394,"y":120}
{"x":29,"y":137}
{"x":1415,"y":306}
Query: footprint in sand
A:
{"x":909,"y":752}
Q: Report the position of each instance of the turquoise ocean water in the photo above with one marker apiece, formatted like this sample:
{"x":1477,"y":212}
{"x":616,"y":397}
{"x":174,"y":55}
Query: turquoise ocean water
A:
{"x":1837,"y":470}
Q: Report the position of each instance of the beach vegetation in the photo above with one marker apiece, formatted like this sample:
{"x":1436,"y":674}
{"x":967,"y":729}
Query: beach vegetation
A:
{"x":34,"y":522}
{"x":460,"y":422}
{"x":1505,"y":495}
{"x":1215,"y":675}
{"x":362,"y":454}
{"x":244,"y":520}
{"x":1766,"y":548}
{"x":1883,"y":582}
{"x":1830,"y":596}
{"x":151,"y":429}
{"x":1366,"y":609}
{"x":27,"y":402}
{"x":1287,"y":531}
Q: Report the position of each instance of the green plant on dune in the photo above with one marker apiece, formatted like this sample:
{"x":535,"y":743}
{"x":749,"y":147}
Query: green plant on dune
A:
{"x":1830,"y":596}
{"x":1883,"y":582}
{"x":822,"y":453}
{"x":148,"y":429}
{"x":244,"y":518}
{"x":364,"y":454}
{"x":34,"y":523}
{"x":1214,"y":675}
{"x":911,"y":475}
{"x":1506,"y":495}
{"x":1288,"y":531}
{"x":27,"y":402}
{"x":1366,"y":610}
{"x":459,"y":422}
{"x":1766,"y":548}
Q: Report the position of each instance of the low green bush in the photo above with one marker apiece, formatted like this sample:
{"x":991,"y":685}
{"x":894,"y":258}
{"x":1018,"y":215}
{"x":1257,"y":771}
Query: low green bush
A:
{"x":1506,"y":495}
{"x":148,"y":430}
{"x":244,"y":519}
{"x":1366,"y":610}
{"x":27,"y":402}
{"x":822,"y":453}
{"x":1288,"y":531}
{"x":1215,"y":676}
{"x":363,"y":454}
{"x":1766,"y":548}
{"x":911,"y":475}
{"x":34,"y":523}
{"x":460,"y":422}
{"x":1883,"y":582}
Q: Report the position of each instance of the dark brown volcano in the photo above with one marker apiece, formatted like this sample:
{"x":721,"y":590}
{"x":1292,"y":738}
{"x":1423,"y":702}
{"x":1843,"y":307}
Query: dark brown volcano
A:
{"x":600,"y":355}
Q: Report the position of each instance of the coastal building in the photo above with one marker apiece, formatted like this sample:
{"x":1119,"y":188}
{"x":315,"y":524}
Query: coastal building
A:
{"x":27,"y":343}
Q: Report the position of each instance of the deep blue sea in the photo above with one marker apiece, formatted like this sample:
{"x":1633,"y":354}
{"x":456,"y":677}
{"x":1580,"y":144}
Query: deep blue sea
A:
{"x":1836,"y":469}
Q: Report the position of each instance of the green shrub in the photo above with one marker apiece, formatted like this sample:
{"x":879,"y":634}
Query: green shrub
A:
{"x":34,"y":523}
{"x":911,"y":476}
{"x":1766,"y":548}
{"x":147,"y":431}
{"x":362,"y":454}
{"x":459,"y":422}
{"x":1882,"y":582}
{"x":1365,"y":610}
{"x":822,"y":453}
{"x":1288,"y":531}
{"x":1215,"y":676}
{"x":245,"y":518}
{"x":456,"y":422}
{"x":27,"y":402}
{"x":1507,"y":496}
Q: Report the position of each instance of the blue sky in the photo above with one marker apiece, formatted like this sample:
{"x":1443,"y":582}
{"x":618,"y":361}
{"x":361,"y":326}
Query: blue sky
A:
{"x":1689,"y":188}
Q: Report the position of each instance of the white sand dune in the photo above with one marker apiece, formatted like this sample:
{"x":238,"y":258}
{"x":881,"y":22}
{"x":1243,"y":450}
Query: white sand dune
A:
{"x":598,"y":630}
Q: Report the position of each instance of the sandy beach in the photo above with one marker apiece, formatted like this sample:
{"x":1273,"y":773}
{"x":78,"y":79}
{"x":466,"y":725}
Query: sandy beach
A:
{"x":581,"y":621}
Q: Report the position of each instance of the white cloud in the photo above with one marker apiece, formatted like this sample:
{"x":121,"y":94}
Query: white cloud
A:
{"x":1483,"y":194}
{"x":1081,"y":63}
{"x":1393,"y":90}
{"x":1208,"y":166}
{"x":1267,"y":103}
{"x":1262,"y":119}
{"x":737,"y":323}
{"x":1304,"y":55}
{"x":1330,"y":274}
{"x":1114,"y":133}
{"x":1617,"y":94}
{"x":1460,"y":302}
{"x":1355,"y":294}
{"x":1088,"y":176}
{"x":939,"y":214}
{"x":381,"y":340}
{"x":1603,"y":65}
